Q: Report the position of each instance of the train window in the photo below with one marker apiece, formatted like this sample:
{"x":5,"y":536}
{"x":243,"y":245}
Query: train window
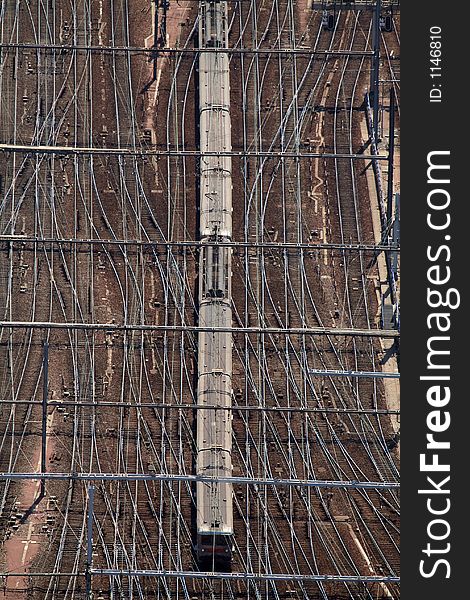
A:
{"x":206,"y":540}
{"x":212,"y":293}
{"x":218,"y":542}
{"x":213,"y":44}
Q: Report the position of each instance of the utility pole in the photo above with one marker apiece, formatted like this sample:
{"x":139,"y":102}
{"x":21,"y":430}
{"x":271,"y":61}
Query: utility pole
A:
{"x":391,"y":154}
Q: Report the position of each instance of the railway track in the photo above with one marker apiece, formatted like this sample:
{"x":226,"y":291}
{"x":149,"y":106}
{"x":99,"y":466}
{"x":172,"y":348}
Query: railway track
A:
{"x":279,"y":103}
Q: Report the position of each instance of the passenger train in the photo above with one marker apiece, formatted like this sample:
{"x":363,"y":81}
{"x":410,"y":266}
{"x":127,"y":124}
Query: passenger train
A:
{"x":214,"y":502}
{"x":214,"y":382}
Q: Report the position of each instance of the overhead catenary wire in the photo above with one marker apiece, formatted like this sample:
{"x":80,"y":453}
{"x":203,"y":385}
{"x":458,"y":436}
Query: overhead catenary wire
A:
{"x":288,"y":421}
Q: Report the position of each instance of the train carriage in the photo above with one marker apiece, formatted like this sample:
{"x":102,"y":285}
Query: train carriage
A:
{"x":214,"y":387}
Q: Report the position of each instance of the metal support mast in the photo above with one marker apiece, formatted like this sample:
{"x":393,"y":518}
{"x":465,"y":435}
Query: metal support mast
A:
{"x":89,"y":545}
{"x":374,"y":76}
{"x":391,"y":157}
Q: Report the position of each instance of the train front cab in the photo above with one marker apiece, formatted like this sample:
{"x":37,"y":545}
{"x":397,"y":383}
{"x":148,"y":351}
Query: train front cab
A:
{"x":214,"y":551}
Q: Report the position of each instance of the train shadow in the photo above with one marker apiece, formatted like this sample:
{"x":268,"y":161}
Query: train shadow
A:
{"x":29,"y":511}
{"x":209,"y":565}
